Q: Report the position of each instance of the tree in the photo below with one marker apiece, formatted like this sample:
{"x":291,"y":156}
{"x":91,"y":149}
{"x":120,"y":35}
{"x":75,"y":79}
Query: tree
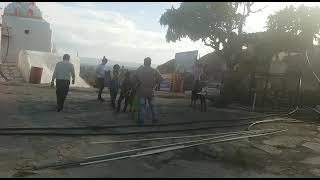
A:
{"x":218,"y":24}
{"x":302,"y":23}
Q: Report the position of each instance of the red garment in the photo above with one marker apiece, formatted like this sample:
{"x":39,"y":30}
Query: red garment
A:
{"x":31,"y":8}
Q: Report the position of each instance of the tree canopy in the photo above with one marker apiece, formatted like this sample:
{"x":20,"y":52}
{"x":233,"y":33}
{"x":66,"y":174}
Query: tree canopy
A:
{"x":302,"y":22}
{"x":218,"y":24}
{"x":208,"y":21}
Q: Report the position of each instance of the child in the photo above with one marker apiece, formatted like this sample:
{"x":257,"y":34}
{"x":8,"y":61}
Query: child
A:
{"x":114,"y":85}
{"x":197,"y":88}
{"x":134,"y":100}
{"x":126,"y":88}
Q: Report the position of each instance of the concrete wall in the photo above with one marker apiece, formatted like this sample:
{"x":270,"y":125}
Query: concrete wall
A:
{"x":38,"y":38}
{"x":46,"y":61}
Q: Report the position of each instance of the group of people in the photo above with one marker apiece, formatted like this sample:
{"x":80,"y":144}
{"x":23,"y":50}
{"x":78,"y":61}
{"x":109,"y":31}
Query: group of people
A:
{"x":136,"y":89}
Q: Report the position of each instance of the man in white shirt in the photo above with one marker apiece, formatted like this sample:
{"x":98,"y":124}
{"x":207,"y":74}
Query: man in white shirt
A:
{"x":100,"y":71}
{"x":62,"y":72}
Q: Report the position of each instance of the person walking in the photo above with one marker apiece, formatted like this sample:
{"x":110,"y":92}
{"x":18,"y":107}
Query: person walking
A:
{"x":114,"y":85}
{"x":197,"y":71}
{"x":122,"y":74}
{"x":147,"y":78}
{"x":62,"y":73}
{"x":100,"y":72}
{"x":126,"y":89}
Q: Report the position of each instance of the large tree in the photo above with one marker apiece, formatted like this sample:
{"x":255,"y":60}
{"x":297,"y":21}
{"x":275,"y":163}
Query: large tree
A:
{"x":302,"y":23}
{"x":218,"y":24}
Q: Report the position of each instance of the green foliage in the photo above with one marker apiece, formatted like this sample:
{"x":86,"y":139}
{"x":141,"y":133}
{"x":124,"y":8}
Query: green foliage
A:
{"x":217,"y":24}
{"x":211,"y":22}
{"x":302,"y":22}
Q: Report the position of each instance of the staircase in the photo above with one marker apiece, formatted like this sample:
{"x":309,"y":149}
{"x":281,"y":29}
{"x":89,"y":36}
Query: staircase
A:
{"x":11,"y":71}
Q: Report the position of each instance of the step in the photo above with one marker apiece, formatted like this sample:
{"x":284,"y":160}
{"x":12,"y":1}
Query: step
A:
{"x":10,"y":71}
{"x":9,"y":62}
{"x":2,"y":80}
{"x":16,"y":76}
{"x":8,"y":66}
{"x":19,"y":79}
{"x":12,"y":75}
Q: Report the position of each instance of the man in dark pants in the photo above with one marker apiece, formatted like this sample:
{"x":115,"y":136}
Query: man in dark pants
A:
{"x":62,"y":73}
{"x":126,"y":88}
{"x":100,"y":71}
{"x":147,"y":78}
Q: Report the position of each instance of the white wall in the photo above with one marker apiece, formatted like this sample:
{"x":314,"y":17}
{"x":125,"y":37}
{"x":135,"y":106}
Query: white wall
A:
{"x":47,"y":61}
{"x":38,"y":39}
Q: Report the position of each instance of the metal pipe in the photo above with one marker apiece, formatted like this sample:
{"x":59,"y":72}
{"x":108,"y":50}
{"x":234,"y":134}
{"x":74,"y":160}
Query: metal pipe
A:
{"x":177,"y":148}
{"x":291,"y":112}
{"x":162,"y":138}
{"x":118,"y":133}
{"x":136,"y":150}
{"x":308,"y":61}
{"x":166,"y":145}
{"x":147,"y":125}
{"x":313,"y":109}
{"x":274,"y":120}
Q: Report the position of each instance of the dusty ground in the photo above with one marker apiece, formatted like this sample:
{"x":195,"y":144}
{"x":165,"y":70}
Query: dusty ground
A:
{"x":295,"y":153}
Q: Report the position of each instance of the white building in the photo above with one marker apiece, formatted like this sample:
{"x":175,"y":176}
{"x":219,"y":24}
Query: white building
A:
{"x":26,"y":42}
{"x":23,"y":29}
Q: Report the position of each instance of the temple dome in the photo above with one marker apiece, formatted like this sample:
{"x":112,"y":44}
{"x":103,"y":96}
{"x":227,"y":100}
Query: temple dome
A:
{"x":23,"y":9}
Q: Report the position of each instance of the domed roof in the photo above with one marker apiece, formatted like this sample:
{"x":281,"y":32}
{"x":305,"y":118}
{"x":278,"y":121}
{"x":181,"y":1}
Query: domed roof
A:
{"x":24,"y":9}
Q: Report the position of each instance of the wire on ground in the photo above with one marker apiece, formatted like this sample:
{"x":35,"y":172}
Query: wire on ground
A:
{"x":155,"y":149}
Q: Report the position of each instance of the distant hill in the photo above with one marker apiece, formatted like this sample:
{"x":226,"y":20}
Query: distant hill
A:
{"x":87,"y":61}
{"x":95,"y":61}
{"x":167,"y":67}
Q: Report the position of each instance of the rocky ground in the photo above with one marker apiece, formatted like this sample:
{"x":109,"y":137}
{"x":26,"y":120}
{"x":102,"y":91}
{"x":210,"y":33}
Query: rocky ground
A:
{"x":294,"y":153}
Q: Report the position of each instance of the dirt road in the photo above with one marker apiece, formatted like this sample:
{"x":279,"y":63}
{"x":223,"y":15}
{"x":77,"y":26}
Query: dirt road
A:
{"x":295,"y":153}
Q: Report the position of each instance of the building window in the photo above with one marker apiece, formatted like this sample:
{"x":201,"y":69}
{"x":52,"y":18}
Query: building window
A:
{"x":26,"y":31}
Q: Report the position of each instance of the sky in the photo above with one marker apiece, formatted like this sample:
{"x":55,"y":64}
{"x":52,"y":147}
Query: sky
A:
{"x":128,"y":31}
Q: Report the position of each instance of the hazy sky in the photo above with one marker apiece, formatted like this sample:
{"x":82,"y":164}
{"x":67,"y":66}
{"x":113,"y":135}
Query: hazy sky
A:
{"x":127,"y":31}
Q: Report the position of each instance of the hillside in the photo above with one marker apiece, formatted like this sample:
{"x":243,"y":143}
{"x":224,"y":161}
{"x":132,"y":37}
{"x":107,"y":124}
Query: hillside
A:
{"x":86,"y":61}
{"x":167,"y":67}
